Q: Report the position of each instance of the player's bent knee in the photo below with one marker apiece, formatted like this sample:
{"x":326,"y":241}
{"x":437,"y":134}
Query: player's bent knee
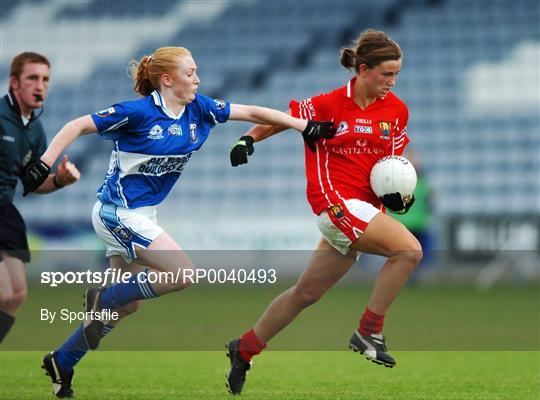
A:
{"x":415,"y":253}
{"x":412,"y":254}
{"x":5,"y":297}
{"x":188,"y":277}
{"x":183,"y":282}
{"x":19,"y":298}
{"x":13,"y":301}
{"x":417,"y":256}
{"x":4,"y":301}
{"x":306,"y":297}
{"x":130,"y":308}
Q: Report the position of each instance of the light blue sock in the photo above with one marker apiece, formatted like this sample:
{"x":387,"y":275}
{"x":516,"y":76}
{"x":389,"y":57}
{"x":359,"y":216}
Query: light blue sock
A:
{"x":137,"y":288}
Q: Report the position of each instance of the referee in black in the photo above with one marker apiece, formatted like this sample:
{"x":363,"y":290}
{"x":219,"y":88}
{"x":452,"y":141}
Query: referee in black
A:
{"x":22,"y":142}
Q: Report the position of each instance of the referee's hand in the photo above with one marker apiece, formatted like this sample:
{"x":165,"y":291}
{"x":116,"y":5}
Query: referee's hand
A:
{"x":36,"y":174}
{"x":241,"y":150}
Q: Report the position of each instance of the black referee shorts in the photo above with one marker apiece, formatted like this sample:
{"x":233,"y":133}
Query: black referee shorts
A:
{"x":13,"y":233}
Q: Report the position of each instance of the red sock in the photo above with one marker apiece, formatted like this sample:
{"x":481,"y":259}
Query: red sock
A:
{"x":370,"y":323}
{"x":250,"y":345}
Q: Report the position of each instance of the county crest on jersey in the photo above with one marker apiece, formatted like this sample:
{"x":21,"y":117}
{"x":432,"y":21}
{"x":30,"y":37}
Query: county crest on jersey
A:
{"x":152,"y":145}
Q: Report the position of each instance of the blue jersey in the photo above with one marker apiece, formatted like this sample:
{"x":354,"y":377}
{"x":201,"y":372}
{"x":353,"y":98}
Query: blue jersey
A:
{"x":152,"y":146}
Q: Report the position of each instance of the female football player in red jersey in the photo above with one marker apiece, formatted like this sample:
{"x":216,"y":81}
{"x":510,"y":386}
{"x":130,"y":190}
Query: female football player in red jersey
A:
{"x":371,"y":123}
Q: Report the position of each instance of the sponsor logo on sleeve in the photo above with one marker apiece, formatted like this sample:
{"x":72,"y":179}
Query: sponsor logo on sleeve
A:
{"x":220,"y":104}
{"x":156,"y":133}
{"x":309,"y":107}
{"x":106,"y":112}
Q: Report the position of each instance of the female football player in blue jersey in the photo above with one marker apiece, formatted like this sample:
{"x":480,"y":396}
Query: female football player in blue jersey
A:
{"x":153,"y":139}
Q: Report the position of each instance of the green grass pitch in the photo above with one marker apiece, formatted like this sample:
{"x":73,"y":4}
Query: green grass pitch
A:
{"x":284,"y":375}
{"x":449,"y":342}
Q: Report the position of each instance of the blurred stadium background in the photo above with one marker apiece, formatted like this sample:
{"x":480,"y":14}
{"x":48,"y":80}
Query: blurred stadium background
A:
{"x":470,"y":78}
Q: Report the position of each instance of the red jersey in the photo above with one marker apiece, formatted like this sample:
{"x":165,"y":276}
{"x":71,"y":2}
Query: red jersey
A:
{"x":340,"y":168}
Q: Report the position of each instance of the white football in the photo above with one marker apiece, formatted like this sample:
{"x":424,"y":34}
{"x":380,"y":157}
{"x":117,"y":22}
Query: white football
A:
{"x":393,"y":174}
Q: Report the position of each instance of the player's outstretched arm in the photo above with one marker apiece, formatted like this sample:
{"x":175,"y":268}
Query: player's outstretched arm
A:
{"x":264,"y":115}
{"x":261,"y":132}
{"x":244,"y":146}
{"x":276,"y":122}
{"x":38,"y":172}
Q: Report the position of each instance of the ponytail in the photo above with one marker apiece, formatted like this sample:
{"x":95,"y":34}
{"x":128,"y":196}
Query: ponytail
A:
{"x":141,"y":75}
{"x":348,"y":58}
{"x":147,"y":72}
{"x":370,"y":48}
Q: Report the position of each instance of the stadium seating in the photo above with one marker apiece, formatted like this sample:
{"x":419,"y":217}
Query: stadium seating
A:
{"x":265,"y":53}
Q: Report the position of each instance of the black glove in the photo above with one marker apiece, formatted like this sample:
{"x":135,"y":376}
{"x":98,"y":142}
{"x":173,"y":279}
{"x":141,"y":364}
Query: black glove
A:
{"x":241,"y":150}
{"x":36,"y":173}
{"x":394,"y":203}
{"x":317,"y":130}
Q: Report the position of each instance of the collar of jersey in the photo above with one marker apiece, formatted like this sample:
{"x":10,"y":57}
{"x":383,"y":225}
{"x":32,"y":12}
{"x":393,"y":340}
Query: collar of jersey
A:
{"x":160,"y":102}
{"x":349,"y":90}
{"x":12,"y":101}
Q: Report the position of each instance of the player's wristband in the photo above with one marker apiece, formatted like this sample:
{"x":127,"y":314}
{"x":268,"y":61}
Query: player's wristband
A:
{"x":58,"y":185}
